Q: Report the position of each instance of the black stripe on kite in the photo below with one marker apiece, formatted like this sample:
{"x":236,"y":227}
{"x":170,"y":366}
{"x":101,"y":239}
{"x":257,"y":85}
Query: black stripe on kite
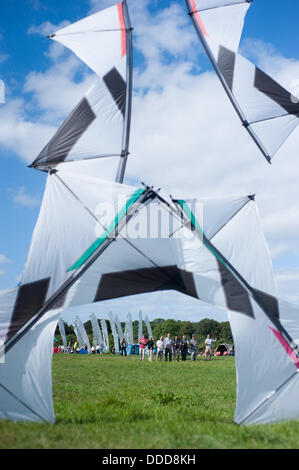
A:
{"x":237,"y":298}
{"x":145,"y":280}
{"x":275,"y":92}
{"x":117,"y":88}
{"x":29,"y":301}
{"x":267,"y":302}
{"x":67,"y":135}
{"x":226,"y":63}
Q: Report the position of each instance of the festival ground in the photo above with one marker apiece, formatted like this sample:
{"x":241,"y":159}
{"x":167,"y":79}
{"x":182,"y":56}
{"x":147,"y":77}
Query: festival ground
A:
{"x":110,"y":402}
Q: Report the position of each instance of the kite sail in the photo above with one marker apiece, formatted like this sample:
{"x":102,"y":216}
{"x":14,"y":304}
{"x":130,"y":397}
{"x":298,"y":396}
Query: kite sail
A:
{"x":119,"y":328}
{"x":230,"y":268}
{"x":99,"y":126}
{"x":62,"y":332}
{"x":96,"y":331}
{"x":267,"y":111}
{"x":114,"y":333}
{"x":105,"y":335}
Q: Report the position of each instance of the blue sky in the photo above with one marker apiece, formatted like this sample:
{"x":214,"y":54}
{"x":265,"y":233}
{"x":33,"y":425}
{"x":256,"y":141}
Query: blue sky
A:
{"x":22,"y":53}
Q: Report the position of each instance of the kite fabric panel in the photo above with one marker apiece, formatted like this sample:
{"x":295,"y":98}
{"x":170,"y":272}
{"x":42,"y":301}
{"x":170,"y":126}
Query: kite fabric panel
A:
{"x":62,"y":332}
{"x":99,"y":126}
{"x":26,"y":374}
{"x":96,"y":331}
{"x":69,"y":224}
{"x":78,"y":334}
{"x":221,"y":22}
{"x":99,"y":40}
{"x":82,"y":333}
{"x":116,"y":339}
{"x":255,"y":314}
{"x":266,"y":109}
{"x":268,"y":389}
{"x":119,"y":327}
{"x":94,"y":129}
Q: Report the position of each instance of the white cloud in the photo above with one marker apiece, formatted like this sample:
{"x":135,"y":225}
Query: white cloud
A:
{"x":35,"y":4}
{"x":19,"y":134}
{"x":24,"y":199}
{"x":3,"y":58}
{"x":287,"y":281}
{"x":3,"y":260}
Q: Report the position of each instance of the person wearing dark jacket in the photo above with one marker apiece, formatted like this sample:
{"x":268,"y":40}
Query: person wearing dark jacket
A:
{"x":184,"y":347}
{"x":123,"y":347}
{"x":150,"y":348}
{"x":168,"y":342}
{"x":176,"y":345}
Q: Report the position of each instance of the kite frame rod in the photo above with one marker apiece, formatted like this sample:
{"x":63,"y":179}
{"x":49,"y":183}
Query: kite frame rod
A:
{"x":64,"y":288}
{"x":128,"y":114}
{"x":230,"y":95}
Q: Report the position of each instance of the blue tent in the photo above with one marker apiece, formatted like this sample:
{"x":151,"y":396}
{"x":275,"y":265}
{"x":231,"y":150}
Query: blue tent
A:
{"x":132,"y":349}
{"x":83,"y":351}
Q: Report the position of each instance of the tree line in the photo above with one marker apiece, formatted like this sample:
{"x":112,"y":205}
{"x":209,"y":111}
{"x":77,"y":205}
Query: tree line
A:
{"x":160,"y":327}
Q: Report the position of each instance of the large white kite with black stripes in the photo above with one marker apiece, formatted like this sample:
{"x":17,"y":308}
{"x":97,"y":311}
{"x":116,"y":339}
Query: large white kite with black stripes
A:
{"x":97,"y":239}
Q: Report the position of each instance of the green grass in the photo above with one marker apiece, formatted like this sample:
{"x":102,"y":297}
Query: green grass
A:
{"x":113,"y":402}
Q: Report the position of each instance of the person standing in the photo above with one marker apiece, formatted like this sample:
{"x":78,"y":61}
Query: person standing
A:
{"x":142,"y":344}
{"x":176,"y":349}
{"x":160,"y":347}
{"x":184,"y":347}
{"x":123,"y":347}
{"x":193,"y":348}
{"x":150,"y":348}
{"x":209,"y":343}
{"x":168,"y":342}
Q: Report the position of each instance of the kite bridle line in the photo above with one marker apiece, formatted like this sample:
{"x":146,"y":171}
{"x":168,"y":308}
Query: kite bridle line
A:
{"x":228,"y":91}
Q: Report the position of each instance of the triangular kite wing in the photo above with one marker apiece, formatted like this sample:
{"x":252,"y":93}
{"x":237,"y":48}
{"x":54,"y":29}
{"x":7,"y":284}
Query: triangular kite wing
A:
{"x":266,"y":109}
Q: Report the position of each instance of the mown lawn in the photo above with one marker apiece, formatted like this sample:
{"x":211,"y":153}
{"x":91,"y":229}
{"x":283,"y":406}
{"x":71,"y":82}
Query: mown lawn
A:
{"x":112,"y":402}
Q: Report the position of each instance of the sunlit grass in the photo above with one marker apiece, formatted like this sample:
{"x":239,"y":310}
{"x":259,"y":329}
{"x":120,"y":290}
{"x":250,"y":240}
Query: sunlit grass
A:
{"x":114,"y":402}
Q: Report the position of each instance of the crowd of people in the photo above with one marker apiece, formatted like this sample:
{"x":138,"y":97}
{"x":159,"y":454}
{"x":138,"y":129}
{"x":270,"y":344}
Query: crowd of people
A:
{"x":75,"y":349}
{"x":169,"y":348}
{"x":166,"y":349}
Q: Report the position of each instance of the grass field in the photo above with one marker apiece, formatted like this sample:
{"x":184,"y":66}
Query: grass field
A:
{"x":113,"y":402}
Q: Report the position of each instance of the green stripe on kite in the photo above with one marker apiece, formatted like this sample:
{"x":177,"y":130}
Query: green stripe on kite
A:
{"x":98,"y":242}
{"x":194,"y":222}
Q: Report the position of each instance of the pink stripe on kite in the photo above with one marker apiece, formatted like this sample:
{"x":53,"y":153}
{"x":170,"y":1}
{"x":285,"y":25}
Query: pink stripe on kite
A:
{"x":123,"y":29}
{"x":198,"y":18}
{"x":286,"y":347}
